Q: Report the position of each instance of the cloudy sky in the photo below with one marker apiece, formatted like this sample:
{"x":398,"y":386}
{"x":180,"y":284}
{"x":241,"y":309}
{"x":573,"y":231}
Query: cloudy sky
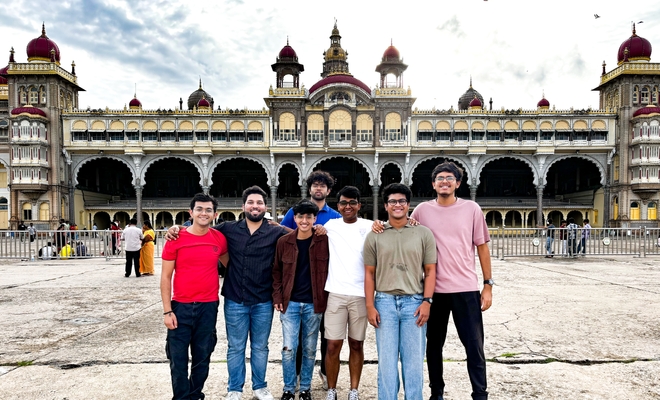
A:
{"x":515,"y":50}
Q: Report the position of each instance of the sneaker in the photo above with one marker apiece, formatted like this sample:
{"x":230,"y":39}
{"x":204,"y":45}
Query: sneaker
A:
{"x":332,"y":394}
{"x":324,"y":380}
{"x":288,"y":396}
{"x":234,"y":396}
{"x":304,"y":395}
{"x":263,"y":394}
{"x":353,"y":395}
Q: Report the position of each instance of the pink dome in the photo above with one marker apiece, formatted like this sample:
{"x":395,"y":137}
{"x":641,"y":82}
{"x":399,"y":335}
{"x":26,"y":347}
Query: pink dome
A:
{"x":391,"y":54}
{"x":134,"y":103}
{"x":203,"y":103}
{"x":28,"y":109}
{"x":543,"y":103}
{"x":3,"y":72}
{"x":40,"y":48}
{"x":287,"y":52}
{"x":339,"y":79}
{"x":638,"y":48}
{"x":476,"y":102}
{"x":647,"y":111}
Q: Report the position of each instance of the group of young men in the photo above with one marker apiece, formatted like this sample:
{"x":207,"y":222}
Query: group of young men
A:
{"x":333,"y":272}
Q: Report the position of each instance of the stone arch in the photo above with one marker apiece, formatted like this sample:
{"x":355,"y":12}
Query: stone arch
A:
{"x":467,"y":172}
{"x":600,"y":167}
{"x":81,"y":163}
{"x":359,"y":161}
{"x":485,"y":162}
{"x":288,"y":162}
{"x":382,"y":167}
{"x":200,"y":169}
{"x":267,"y":170}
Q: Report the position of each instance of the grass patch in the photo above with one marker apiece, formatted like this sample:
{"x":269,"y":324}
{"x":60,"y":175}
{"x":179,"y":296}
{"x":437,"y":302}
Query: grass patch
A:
{"x":509,"y":355}
{"x":23,"y":363}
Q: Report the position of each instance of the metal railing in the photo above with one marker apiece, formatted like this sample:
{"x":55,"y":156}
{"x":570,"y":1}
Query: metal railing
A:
{"x":523,"y":242}
{"x":83,"y":244}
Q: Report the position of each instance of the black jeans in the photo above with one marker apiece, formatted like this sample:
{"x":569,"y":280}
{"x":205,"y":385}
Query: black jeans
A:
{"x":135,"y":257}
{"x":465,"y":308}
{"x":195,"y":330}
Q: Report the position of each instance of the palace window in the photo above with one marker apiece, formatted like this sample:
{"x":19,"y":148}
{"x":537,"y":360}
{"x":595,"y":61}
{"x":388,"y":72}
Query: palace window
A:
{"x":635,"y":95}
{"x":645,"y":95}
{"x":34,"y":96}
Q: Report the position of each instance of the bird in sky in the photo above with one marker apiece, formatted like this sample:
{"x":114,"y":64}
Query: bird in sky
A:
{"x":596,"y":16}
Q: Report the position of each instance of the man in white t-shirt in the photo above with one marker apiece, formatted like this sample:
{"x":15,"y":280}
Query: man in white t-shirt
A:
{"x":459,"y":227}
{"x":345,"y":285}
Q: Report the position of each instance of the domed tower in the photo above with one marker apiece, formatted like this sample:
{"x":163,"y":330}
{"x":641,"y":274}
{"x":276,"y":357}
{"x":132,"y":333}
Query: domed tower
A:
{"x":467,"y":97}
{"x":335,"y":57}
{"x":391,"y":63}
{"x":543,"y":104}
{"x":476,"y":105}
{"x":286,"y":64}
{"x":197,"y":95}
{"x":634,"y":49}
{"x":135,"y":104}
{"x":42,"y":49}
{"x":203,"y":104}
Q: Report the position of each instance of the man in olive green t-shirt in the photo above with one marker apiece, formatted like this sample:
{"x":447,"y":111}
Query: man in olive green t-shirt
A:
{"x":400,"y":269}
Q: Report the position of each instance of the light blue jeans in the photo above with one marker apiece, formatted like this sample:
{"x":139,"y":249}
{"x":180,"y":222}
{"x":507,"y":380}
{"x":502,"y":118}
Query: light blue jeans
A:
{"x":299,"y":316}
{"x":399,"y":337}
{"x":548,"y":244}
{"x":241,"y":320}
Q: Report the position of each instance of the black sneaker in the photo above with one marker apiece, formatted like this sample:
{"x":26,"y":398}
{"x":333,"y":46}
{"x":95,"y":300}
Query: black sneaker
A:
{"x":305,"y":395}
{"x":288,"y":396}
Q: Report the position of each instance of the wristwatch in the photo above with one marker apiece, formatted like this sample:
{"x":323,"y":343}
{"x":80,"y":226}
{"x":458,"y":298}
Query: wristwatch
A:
{"x":428,"y":300}
{"x":489,"y":282}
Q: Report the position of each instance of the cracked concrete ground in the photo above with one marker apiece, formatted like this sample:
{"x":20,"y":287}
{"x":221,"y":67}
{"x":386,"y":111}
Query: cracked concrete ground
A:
{"x":559,"y":328}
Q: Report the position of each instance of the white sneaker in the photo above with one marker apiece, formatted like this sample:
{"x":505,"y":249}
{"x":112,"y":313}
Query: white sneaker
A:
{"x":234,"y":396}
{"x":353,"y":395}
{"x":263,"y":394}
{"x":324,"y":380}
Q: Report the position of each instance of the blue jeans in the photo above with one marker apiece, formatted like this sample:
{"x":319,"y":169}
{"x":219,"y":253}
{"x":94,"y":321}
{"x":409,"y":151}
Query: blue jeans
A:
{"x":241,"y":320}
{"x":195,"y":330}
{"x":548,"y":244}
{"x":581,"y":247}
{"x":298,"y":314}
{"x":398,"y":336}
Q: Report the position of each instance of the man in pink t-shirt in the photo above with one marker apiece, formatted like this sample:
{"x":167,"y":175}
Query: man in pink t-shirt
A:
{"x":459,"y":227}
{"x":191,"y":308}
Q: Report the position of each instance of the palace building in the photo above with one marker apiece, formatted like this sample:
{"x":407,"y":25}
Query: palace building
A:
{"x":90,"y":166}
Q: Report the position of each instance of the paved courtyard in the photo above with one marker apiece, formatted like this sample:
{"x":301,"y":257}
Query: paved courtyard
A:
{"x":559,"y":329}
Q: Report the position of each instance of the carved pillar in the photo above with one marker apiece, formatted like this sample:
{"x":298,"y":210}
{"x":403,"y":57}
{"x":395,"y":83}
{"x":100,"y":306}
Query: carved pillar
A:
{"x":473,"y":192}
{"x":206,"y":189}
{"x":375,"y":189}
{"x":138,"y":196}
{"x":303,"y":190}
{"x":539,"y":205}
{"x":273,"y":196}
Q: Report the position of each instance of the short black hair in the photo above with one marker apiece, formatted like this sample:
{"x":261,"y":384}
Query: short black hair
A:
{"x":203,"y":198}
{"x":571,"y":220}
{"x":321,"y":177}
{"x":393,"y":188}
{"x":586,"y":220}
{"x":305,"y":206}
{"x":254,"y":190}
{"x":448,"y":166}
{"x":350,"y":192}
{"x":549,"y":220}
{"x":132,"y":221}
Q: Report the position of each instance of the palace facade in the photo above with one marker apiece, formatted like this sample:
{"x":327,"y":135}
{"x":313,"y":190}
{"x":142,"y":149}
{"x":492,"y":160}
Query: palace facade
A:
{"x":521,"y":165}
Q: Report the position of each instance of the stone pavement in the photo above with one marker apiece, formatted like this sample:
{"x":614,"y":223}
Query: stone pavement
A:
{"x":559,"y":328}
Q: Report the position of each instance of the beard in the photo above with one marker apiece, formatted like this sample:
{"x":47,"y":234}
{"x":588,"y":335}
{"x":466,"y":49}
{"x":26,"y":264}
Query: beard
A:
{"x":255,"y":218}
{"x":319,"y":196}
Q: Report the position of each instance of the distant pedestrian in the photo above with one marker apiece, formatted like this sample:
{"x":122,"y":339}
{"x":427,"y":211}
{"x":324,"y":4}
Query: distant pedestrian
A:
{"x":66,"y":252}
{"x":562,"y":237}
{"x":132,"y":235}
{"x":114,"y":227}
{"x":572,"y":232}
{"x":48,"y":252}
{"x":584,"y":238}
{"x":22,"y":228}
{"x":94,"y":229}
{"x":147,"y":251}
{"x":32,"y":231}
{"x":550,"y":237}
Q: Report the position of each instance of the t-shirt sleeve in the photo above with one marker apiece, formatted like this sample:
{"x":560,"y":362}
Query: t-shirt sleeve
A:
{"x":288,"y":220}
{"x":369,"y":251}
{"x":169,"y":251}
{"x":222,"y":243}
{"x":430,"y":250}
{"x":480,"y":233}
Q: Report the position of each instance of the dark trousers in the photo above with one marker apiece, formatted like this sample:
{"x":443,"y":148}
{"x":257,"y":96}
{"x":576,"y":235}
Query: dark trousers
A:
{"x":324,"y":347}
{"x":133,"y":256}
{"x":465,"y":308}
{"x":195,"y":330}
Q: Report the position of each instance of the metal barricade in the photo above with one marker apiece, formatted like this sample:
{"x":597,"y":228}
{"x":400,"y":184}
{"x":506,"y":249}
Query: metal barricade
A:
{"x":524,"y":242}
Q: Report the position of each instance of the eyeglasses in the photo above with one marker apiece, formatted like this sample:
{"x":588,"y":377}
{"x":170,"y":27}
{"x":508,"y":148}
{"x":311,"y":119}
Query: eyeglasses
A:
{"x":201,"y":210}
{"x":401,"y":202}
{"x":351,"y":203}
{"x":445,"y":178}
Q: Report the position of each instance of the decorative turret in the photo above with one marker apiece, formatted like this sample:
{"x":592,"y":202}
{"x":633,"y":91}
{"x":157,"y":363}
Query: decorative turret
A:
{"x":197,"y":95}
{"x":42,"y":49}
{"x":287,"y":64}
{"x":135,"y":104}
{"x":467,"y":97}
{"x":543,"y":104}
{"x":635,"y":48}
{"x":335,"y":57}
{"x":391,"y":63}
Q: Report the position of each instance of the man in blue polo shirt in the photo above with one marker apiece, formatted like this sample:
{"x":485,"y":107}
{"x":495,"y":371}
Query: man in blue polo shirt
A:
{"x":320,"y":185}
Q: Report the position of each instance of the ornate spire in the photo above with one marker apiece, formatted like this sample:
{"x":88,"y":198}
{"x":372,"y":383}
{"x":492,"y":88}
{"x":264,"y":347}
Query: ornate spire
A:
{"x":43,"y":29}
{"x":634,"y":30}
{"x":470,"y":81}
{"x":200,"y":82}
{"x":73,"y":67}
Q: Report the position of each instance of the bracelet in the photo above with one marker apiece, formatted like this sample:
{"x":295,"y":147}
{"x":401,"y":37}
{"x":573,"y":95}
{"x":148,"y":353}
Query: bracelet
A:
{"x":169,"y":312}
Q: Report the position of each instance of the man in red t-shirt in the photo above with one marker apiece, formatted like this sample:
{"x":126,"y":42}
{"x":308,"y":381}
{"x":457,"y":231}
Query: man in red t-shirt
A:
{"x":191,"y":309}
